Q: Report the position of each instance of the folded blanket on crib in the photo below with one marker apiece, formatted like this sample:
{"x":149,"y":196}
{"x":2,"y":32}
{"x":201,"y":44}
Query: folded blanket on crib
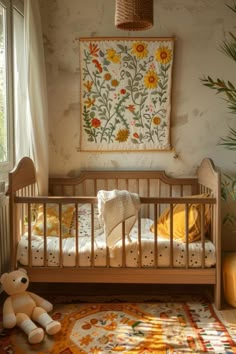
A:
{"x":114,"y":207}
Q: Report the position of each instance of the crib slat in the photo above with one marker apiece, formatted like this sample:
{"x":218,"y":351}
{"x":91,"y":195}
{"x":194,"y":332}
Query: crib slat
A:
{"x":60,"y":237}
{"x":202,"y":211}
{"x":29,"y":235}
{"x":186,"y":234}
{"x":123,"y":245}
{"x":92,"y":235}
{"x":139,"y":242}
{"x":45,"y":233}
{"x":77,"y":260}
{"x":107,"y":257}
{"x":171,"y":236}
{"x":155,"y":237}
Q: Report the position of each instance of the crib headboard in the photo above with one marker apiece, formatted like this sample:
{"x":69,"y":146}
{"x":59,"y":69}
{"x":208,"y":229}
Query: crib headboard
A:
{"x":145,"y":183}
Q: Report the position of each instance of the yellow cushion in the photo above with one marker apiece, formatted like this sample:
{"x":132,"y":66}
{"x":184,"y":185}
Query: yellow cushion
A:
{"x":194,"y":221}
{"x":52,"y":219}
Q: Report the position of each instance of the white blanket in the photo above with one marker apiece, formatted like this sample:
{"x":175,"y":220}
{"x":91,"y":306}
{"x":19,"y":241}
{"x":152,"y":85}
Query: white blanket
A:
{"x":114,"y":207}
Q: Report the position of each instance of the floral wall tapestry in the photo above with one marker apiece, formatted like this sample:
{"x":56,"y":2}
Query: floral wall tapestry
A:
{"x":125,"y":93}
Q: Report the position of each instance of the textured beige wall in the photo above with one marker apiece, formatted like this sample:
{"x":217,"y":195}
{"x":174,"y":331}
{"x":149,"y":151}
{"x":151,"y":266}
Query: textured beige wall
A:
{"x":199,"y":117}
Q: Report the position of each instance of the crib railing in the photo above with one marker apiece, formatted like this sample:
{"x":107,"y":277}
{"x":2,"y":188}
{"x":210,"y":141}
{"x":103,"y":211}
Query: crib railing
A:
{"x":26,"y":207}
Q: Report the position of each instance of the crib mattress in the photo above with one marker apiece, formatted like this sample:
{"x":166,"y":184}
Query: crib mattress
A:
{"x":115,"y":254}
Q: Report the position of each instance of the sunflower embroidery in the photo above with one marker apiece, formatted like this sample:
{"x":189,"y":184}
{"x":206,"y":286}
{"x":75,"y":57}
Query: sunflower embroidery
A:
{"x":139,"y":49}
{"x":151,"y":79}
{"x":163,"y":55}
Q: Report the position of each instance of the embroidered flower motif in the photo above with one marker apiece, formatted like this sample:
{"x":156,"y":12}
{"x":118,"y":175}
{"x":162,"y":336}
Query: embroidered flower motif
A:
{"x":114,"y":83}
{"x":113,"y":56}
{"x":156,"y":120}
{"x":163,"y":55}
{"x":107,"y":77}
{"x":151,"y":79}
{"x":88,"y":85}
{"x":89,"y":102}
{"x":96,"y":122}
{"x":131,"y":108}
{"x":93,"y":48}
{"x":139,"y":49}
{"x":122,"y":135}
{"x":98,"y":65}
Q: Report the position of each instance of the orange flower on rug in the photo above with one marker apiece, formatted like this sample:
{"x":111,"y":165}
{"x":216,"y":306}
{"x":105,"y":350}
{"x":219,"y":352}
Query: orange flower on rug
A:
{"x":129,"y":328}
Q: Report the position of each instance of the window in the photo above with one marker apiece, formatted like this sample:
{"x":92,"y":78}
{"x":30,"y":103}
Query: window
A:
{"x":11,"y":23}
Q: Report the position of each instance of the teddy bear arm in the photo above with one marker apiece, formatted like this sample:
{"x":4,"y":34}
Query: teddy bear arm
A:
{"x":9,"y":318}
{"x":46,"y":305}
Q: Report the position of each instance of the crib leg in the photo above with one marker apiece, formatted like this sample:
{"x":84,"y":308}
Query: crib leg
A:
{"x":217,"y":296}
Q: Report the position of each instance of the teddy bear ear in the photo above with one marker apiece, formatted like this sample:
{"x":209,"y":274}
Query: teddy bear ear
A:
{"x":3,"y":276}
{"x":22,"y":270}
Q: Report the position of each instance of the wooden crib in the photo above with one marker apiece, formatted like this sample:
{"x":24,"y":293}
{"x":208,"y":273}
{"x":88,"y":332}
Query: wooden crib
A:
{"x":78,"y":252}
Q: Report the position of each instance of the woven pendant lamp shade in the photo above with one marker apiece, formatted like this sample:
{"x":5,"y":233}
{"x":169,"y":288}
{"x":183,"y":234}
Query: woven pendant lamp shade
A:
{"x":134,"y":15}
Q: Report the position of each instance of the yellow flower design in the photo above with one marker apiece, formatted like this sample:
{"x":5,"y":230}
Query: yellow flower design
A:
{"x":163,"y":55}
{"x":113,"y":56}
{"x":114,"y":83}
{"x":88,"y":84}
{"x":89,"y":102}
{"x":156,"y":120}
{"x":122,"y":135}
{"x":151,"y":79}
{"x":140,"y":50}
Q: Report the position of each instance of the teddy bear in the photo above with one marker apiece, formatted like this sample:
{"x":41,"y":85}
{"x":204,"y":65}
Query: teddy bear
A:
{"x":23,"y":308}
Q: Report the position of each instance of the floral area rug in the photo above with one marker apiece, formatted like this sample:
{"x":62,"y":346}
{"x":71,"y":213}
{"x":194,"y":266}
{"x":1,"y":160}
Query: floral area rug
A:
{"x":129,"y":328}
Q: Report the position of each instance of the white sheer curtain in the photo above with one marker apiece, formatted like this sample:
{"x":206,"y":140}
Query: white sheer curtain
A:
{"x":32,"y":127}
{"x":22,"y":143}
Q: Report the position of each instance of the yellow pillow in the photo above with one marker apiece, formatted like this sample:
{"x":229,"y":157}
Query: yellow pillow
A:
{"x":194,"y":221}
{"x":52,"y":220}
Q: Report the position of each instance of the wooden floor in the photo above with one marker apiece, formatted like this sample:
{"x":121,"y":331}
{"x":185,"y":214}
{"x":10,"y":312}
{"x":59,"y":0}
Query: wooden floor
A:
{"x":229,"y":315}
